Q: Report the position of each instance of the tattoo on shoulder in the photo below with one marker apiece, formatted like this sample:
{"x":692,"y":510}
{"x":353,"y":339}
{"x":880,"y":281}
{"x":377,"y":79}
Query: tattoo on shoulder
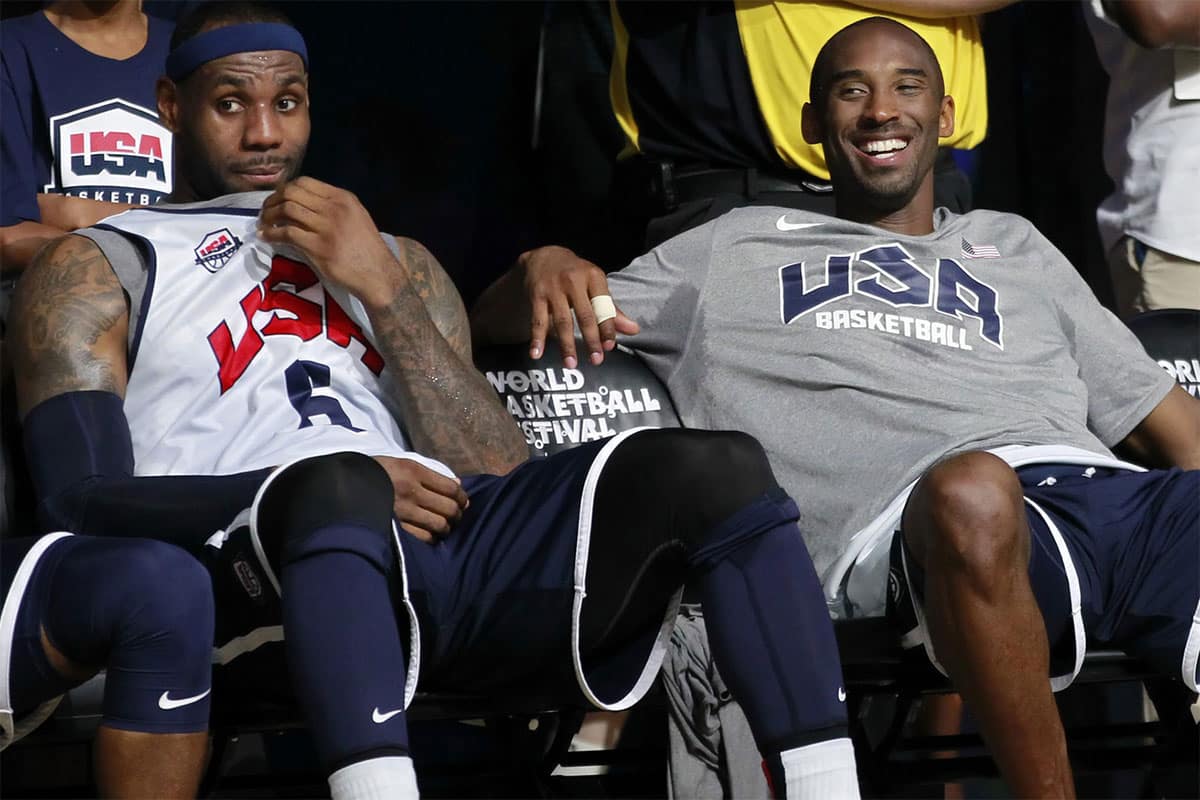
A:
{"x":69,"y":316}
{"x":437,"y":291}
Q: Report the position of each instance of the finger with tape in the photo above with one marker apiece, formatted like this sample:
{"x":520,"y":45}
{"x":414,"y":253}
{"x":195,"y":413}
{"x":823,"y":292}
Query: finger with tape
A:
{"x":604,"y":308}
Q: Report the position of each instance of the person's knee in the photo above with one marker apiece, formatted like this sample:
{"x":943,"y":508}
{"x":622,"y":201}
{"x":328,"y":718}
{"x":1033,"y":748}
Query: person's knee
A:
{"x":733,"y":462}
{"x":967,"y":515}
{"x":339,"y":502}
{"x":714,"y":472}
{"x":135,"y":591}
{"x":174,"y":599}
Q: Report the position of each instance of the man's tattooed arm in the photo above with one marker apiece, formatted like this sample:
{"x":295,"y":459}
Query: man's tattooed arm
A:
{"x":449,"y":410}
{"x":69,"y":324}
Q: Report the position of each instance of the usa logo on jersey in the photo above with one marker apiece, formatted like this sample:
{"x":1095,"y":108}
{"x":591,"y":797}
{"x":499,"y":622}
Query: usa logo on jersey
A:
{"x":884,"y":281}
{"x":113,"y":151}
{"x":216,"y":248}
{"x":301,"y":317}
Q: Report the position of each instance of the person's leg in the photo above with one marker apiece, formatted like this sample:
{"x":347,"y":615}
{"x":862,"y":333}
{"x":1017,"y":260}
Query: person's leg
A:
{"x":1168,"y":281}
{"x":1124,"y":270}
{"x":965,"y":525}
{"x":133,"y":764}
{"x":707,"y":503}
{"x":144,"y":610}
{"x":326,"y":523}
{"x":1144,"y":278}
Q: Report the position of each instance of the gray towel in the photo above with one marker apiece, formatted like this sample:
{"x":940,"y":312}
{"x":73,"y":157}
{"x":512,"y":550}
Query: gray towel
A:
{"x":713,"y":755}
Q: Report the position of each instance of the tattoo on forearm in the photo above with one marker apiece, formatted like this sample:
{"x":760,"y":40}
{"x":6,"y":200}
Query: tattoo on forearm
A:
{"x":449,"y":410}
{"x":438,"y":293}
{"x":68,"y":310}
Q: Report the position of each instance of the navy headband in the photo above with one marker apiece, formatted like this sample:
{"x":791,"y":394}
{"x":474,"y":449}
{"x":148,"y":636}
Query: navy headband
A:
{"x":250,"y":37}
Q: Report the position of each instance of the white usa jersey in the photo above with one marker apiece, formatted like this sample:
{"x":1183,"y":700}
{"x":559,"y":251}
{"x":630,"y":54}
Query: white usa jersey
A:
{"x":239,"y":357}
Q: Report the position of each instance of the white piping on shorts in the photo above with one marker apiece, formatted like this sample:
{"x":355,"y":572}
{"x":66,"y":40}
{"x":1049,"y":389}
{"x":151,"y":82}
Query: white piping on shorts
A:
{"x":8,"y":625}
{"x":413,"y":668}
{"x":1057,"y":682}
{"x":1191,"y":652}
{"x":1060,"y":682}
{"x":659,"y":648}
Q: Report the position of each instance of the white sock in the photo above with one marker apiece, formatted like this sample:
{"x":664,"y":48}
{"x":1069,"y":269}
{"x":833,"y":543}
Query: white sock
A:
{"x":821,"y":771}
{"x":388,"y":778}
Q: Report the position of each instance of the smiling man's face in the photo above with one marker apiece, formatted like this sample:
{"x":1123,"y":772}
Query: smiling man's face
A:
{"x":878,"y":108}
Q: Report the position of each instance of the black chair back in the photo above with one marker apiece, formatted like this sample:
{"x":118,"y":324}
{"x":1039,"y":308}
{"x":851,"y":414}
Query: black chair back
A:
{"x":1172,"y":338}
{"x":559,"y":408}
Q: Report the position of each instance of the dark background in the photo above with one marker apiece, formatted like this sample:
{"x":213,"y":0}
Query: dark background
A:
{"x":426,"y":111}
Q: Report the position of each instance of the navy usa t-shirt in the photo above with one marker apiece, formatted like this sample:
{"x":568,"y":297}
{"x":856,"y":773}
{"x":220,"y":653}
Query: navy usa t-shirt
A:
{"x":76,"y":123}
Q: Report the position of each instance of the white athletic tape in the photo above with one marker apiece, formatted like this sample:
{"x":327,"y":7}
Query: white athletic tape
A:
{"x":604,"y":308}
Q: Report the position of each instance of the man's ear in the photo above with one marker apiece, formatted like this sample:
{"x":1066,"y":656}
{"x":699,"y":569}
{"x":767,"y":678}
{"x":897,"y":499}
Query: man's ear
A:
{"x":810,"y":124}
{"x":946,"y":118}
{"x":167,"y":94}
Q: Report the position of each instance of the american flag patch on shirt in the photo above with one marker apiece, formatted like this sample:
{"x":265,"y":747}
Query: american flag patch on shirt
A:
{"x":979,"y":250}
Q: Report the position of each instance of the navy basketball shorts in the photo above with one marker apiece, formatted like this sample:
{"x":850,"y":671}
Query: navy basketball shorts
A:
{"x":21,"y":563}
{"x":1115,"y":563}
{"x":493,"y":605}
{"x":105,"y":601}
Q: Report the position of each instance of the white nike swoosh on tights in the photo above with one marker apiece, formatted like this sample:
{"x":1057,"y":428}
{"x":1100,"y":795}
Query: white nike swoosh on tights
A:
{"x":166,"y":703}
{"x":841,"y":694}
{"x":379,"y":719}
{"x":783,"y":225}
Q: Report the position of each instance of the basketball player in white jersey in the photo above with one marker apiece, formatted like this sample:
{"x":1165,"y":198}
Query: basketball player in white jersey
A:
{"x":269,"y":382}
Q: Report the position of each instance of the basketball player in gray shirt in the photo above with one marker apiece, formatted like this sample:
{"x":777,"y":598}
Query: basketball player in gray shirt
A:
{"x":909,"y":370}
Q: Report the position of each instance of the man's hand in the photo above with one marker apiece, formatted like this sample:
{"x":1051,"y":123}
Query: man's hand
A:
{"x":558,"y":282}
{"x":448,"y":408}
{"x":336,"y":235}
{"x":60,"y":214}
{"x":427,"y":504}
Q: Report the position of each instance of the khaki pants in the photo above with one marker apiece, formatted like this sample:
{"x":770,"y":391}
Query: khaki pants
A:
{"x":1144,"y":278}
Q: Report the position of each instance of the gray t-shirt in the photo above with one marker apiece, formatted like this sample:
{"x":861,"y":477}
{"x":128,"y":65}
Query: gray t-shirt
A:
{"x":859,"y":357}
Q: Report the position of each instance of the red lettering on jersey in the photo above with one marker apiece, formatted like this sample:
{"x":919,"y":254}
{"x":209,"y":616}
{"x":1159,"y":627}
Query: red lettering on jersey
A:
{"x":341,"y":329}
{"x":233,"y":360}
{"x":76,"y":144}
{"x":112,"y":142}
{"x":307,"y":324}
{"x":212,"y":247}
{"x":279,"y":292}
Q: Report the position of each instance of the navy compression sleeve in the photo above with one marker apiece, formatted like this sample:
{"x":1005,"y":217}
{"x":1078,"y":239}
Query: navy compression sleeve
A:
{"x":80,"y":456}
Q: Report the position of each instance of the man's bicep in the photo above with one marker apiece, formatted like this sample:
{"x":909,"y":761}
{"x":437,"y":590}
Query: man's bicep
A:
{"x":69,"y":324}
{"x":442,"y":300}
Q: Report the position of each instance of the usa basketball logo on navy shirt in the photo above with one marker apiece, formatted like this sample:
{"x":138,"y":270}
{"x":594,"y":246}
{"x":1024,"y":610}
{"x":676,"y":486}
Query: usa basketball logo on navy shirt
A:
{"x":113,"y":151}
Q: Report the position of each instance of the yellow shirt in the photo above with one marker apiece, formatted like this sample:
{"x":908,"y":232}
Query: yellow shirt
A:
{"x":780,"y":41}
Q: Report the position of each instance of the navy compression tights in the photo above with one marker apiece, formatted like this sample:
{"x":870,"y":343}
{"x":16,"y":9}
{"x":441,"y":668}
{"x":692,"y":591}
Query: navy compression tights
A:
{"x":141,"y":609}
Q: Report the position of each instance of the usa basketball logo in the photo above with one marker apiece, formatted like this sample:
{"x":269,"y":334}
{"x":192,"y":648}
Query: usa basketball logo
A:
{"x":114,"y":151}
{"x":215,"y":250}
